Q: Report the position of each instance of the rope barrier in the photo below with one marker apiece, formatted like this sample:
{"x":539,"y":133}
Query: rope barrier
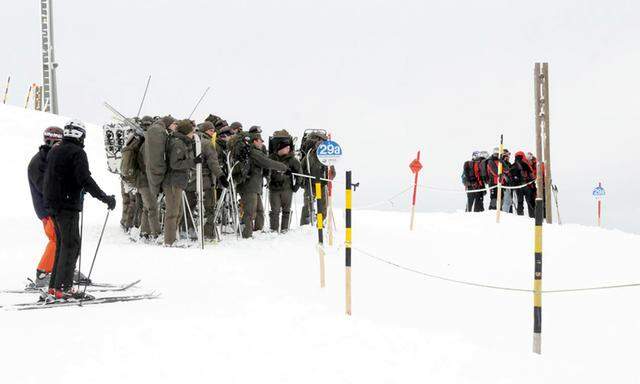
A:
{"x":489,"y":286}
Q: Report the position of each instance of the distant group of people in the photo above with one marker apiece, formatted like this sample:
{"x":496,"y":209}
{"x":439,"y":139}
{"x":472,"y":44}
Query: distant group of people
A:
{"x":482,"y":172}
{"x":164,"y":171}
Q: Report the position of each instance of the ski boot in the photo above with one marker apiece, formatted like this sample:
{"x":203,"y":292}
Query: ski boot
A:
{"x":81,"y":279}
{"x":42,"y":279}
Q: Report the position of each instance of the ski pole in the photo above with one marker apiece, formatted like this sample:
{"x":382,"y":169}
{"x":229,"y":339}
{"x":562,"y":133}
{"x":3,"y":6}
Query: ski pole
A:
{"x":81,"y":231}
{"x":96,"y":253}
{"x":198,"y":103}
{"x":144,"y":96}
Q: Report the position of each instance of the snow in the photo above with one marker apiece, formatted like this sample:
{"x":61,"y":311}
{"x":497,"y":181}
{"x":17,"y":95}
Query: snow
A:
{"x":253,"y":311}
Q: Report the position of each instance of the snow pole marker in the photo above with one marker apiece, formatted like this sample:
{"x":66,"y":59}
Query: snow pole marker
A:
{"x":319,"y":221}
{"x":599,"y":194}
{"x":415,"y":167}
{"x":347,"y":242}
{"x":26,"y":103}
{"x":499,"y":189}
{"x":6,"y":90}
{"x":537,"y":279}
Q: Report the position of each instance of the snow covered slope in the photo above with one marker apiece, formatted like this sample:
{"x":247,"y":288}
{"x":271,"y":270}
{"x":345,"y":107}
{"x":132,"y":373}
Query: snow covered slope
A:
{"x":253,"y":311}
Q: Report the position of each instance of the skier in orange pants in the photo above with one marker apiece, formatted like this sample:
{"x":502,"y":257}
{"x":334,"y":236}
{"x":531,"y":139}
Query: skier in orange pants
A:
{"x":36,"y":170}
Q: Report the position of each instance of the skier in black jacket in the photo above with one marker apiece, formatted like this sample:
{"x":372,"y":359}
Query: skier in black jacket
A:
{"x":35,"y":173}
{"x":66,"y":179}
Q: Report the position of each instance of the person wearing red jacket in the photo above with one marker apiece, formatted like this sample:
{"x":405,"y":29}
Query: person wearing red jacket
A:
{"x":473,"y":181}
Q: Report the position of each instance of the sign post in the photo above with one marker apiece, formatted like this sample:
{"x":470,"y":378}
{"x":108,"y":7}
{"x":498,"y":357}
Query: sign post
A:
{"x":329,"y":153}
{"x":599,"y":193}
{"x":415,"y":167}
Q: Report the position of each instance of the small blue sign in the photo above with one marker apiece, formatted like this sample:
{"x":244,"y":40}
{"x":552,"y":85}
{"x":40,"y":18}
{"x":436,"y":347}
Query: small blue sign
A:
{"x":599,"y":193}
{"x":329,"y":152}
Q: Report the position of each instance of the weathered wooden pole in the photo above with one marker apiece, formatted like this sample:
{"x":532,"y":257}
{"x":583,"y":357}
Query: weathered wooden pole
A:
{"x":547,"y":145}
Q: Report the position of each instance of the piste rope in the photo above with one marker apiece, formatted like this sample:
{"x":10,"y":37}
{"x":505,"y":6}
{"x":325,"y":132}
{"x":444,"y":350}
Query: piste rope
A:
{"x":490,"y":286}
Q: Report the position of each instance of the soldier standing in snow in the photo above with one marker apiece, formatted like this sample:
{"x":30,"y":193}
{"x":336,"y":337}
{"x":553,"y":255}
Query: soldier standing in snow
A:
{"x":36,"y":171}
{"x":282,"y":186}
{"x":251,"y":188}
{"x":154,"y":152}
{"x":149,"y":219}
{"x":312,"y":166}
{"x":180,"y":159}
{"x":66,"y":179}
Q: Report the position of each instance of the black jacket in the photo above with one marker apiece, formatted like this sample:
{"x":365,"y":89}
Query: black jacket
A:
{"x":67,"y":176}
{"x":35,"y":172}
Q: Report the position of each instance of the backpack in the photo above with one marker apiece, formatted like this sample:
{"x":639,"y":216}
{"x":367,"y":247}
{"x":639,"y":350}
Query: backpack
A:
{"x":239,"y":146}
{"x":129,"y":168}
{"x":310,"y":139}
{"x":279,"y":140}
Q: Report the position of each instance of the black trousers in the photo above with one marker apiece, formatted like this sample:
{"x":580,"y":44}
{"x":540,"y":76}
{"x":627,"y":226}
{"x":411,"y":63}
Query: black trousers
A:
{"x":526,"y":194}
{"x":475,"y":201}
{"x":67,"y":249}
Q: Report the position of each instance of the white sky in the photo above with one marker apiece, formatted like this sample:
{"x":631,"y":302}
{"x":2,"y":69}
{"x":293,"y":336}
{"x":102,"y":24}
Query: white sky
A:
{"x":386,"y":77}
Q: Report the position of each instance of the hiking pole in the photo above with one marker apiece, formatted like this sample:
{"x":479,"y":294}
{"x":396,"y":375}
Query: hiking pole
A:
{"x":198,"y":103}
{"x":96,"y":253}
{"x":144,"y":96}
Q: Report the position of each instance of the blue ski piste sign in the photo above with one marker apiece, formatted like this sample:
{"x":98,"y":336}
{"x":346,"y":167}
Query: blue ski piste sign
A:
{"x":599,"y":192}
{"x":329,"y":152}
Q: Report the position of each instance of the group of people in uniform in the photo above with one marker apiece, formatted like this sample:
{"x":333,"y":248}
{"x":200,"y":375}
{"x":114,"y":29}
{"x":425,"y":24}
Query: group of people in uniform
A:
{"x":165,"y":171}
{"x":482,"y":172}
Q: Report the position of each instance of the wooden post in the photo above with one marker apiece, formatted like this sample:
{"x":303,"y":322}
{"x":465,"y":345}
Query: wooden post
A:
{"x":499,"y":189}
{"x":26,"y":103}
{"x":6,"y":90}
{"x":38,"y":98}
{"x":347,"y":243}
{"x":547,"y":146}
{"x":319,"y":223}
{"x":537,"y":277}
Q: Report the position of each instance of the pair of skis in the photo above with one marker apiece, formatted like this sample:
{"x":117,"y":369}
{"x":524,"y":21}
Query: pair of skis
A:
{"x":80,"y":302}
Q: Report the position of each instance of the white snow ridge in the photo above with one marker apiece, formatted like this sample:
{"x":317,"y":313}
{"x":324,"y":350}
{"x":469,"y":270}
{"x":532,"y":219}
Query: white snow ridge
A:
{"x":253,"y":311}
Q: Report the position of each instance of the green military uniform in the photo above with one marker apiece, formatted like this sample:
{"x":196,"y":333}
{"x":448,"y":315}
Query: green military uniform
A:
{"x":281,"y":190}
{"x":180,"y":161}
{"x":251,"y":188}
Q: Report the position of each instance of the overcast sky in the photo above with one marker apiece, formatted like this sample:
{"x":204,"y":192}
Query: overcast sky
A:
{"x":387,"y":78}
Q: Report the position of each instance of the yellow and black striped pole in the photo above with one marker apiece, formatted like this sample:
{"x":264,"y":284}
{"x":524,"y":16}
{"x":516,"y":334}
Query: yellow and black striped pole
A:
{"x":537,"y":280}
{"x":320,"y":227}
{"x":347,"y":242}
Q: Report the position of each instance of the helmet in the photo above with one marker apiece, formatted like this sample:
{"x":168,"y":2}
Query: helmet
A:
{"x":75,"y":129}
{"x":496,"y":150}
{"x":52,"y":135}
{"x":530,"y":156}
{"x":483,"y":155}
{"x":475,"y":155}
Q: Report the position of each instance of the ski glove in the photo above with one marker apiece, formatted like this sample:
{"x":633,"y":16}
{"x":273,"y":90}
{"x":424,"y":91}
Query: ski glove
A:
{"x":198,"y":159}
{"x":110,"y":201}
{"x":222,"y":180}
